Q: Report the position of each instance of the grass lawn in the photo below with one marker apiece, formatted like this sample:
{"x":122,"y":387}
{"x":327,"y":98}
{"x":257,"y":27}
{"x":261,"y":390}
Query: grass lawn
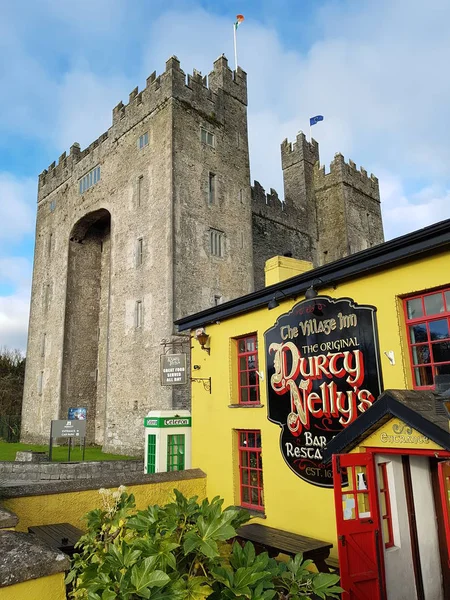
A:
{"x":8,"y":452}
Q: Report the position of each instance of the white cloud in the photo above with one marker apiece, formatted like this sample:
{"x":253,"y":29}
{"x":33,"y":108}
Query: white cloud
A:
{"x":17,"y":207}
{"x":14,"y":311}
{"x":14,"y":308}
{"x":85,"y":104}
{"x":403,"y":213}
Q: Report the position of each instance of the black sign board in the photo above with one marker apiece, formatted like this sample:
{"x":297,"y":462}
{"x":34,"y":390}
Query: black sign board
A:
{"x":323,"y":370}
{"x":173,"y":369}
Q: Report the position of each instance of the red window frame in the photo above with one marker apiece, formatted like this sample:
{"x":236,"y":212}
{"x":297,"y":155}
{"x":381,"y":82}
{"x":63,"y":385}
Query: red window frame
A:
{"x":250,"y":469}
{"x":387,"y":515}
{"x":245,"y":374}
{"x":427,"y":346}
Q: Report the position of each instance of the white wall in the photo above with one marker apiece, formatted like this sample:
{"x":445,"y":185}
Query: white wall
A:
{"x":400,"y":583}
{"x":426,"y":528}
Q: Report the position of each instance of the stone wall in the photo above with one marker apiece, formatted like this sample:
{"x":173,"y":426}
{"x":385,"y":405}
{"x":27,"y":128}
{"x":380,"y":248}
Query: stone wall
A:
{"x":56,"y":471}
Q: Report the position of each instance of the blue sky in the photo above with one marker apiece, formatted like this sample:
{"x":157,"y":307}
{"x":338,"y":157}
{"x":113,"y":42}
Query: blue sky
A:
{"x":377,"y":71}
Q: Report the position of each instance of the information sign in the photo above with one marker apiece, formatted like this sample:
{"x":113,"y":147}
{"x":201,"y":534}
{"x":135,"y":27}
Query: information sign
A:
{"x":68,"y":429}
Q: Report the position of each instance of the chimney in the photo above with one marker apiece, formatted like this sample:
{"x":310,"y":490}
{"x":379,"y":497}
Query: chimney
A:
{"x":280,"y":268}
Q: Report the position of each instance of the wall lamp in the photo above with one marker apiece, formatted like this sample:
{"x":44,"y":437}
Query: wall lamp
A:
{"x":274,"y":302}
{"x":311,"y":292}
{"x":202,"y":337}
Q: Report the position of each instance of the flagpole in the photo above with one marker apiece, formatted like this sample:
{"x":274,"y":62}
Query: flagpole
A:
{"x":235,"y":48}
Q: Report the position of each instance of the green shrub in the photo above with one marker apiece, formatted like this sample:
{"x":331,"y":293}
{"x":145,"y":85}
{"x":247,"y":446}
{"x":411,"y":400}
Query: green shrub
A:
{"x":182,"y":551}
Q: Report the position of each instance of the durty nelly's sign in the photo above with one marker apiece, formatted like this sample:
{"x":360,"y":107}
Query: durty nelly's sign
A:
{"x":322,"y":372}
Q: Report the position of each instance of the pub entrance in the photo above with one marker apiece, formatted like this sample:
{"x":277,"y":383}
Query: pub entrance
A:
{"x":392,"y":515}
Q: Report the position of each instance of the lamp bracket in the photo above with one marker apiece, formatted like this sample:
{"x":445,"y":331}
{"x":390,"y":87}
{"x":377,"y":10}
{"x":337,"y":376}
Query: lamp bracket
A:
{"x":206,"y":381}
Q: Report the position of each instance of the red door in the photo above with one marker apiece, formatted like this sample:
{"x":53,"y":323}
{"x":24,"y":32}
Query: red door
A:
{"x":358,"y":527}
{"x":444,"y":484}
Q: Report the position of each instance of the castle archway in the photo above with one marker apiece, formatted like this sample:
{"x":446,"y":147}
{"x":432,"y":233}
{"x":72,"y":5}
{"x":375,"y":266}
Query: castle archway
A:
{"x":84,"y":373}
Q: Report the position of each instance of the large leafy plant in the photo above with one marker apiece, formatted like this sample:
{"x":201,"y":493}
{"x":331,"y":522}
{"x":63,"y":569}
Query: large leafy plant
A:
{"x":182,"y":550}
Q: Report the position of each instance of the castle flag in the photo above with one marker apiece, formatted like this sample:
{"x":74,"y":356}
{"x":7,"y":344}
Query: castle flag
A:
{"x":316,"y":119}
{"x":239,"y":19}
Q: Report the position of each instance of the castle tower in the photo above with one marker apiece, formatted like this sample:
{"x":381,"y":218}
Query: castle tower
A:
{"x":289,"y":226}
{"x":348,"y":210}
{"x":151,"y":222}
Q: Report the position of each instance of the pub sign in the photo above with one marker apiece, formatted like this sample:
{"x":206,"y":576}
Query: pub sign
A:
{"x":323,"y":371}
{"x":173,"y":369}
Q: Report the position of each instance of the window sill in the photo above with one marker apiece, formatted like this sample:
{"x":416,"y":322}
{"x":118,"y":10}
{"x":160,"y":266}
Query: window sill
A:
{"x":246,"y":406}
{"x":253,"y":512}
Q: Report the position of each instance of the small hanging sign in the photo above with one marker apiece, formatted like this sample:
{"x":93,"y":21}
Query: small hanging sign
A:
{"x":173,"y":369}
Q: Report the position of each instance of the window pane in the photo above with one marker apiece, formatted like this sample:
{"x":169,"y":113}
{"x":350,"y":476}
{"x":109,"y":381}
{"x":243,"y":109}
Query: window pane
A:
{"x":251,"y":345}
{"x":203,"y":135}
{"x":423,"y":376}
{"x":386,"y":537}
{"x":252,"y":362}
{"x":348,"y":507}
{"x":253,"y":394}
{"x":244,"y":394}
{"x":251,"y":440}
{"x":439,"y":329}
{"x":418,"y":333}
{"x":245,"y":495}
{"x":242,"y":346}
{"x":443,"y":369}
{"x":447,"y":300}
{"x":414,"y":308}
{"x":245,"y":477}
{"x":421,"y":354}
{"x":441,"y":352}
{"x":244,"y":378}
{"x":363,"y":506}
{"x":255,"y":497}
{"x":242,"y":438}
{"x":434,"y":304}
{"x":252,"y":378}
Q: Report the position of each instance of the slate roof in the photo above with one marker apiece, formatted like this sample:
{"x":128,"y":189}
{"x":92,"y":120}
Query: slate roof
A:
{"x":421,"y":410}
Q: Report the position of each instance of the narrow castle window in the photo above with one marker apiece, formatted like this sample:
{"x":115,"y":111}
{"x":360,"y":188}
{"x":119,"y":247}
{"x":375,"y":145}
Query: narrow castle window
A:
{"x":238,"y":139}
{"x":138,"y":314}
{"x":208,"y":138}
{"x":46,"y":296}
{"x":139,"y":251}
{"x":143,"y":140}
{"x":41,"y":382}
{"x":90,"y":179}
{"x":50,"y":240}
{"x":52,"y":205}
{"x":44,"y":339}
{"x":211,"y":188}
{"x":139,"y":190}
{"x":216,"y":240}
{"x":241,"y":196}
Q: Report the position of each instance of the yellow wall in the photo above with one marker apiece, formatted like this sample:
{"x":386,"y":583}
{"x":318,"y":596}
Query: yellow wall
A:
{"x":72,"y":506}
{"x":50,"y":587}
{"x":291,"y":503}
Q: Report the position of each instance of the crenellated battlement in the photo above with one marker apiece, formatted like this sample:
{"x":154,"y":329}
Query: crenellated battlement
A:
{"x":270,"y":206}
{"x":205,"y":94}
{"x":347,"y":173}
{"x":300,"y":150}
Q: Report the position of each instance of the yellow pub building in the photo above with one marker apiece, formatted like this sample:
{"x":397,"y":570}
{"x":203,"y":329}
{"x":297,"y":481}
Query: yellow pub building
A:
{"x":324,"y":411}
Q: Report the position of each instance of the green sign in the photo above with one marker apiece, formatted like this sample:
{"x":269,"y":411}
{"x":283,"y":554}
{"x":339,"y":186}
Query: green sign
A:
{"x":167,"y":422}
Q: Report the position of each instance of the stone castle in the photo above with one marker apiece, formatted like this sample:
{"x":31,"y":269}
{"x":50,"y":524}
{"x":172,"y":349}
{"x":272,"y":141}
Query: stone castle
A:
{"x":157,"y":219}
